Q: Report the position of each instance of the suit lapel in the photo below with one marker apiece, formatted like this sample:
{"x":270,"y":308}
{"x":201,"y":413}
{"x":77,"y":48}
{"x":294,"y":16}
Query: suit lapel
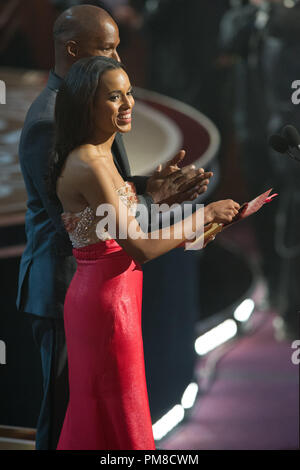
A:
{"x":120,"y":157}
{"x":54,"y":81}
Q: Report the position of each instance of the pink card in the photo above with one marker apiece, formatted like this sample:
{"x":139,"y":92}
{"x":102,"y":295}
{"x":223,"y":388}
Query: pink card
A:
{"x":253,"y":206}
{"x":248,"y":208}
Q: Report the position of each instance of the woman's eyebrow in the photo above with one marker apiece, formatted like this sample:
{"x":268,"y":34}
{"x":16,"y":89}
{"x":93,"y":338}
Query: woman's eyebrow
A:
{"x":119,"y":91}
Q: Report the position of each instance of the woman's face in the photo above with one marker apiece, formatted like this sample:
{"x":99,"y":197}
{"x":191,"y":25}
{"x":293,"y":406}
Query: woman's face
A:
{"x":114,"y":102}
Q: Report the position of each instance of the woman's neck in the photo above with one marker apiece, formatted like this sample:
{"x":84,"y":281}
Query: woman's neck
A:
{"x":103,"y":143}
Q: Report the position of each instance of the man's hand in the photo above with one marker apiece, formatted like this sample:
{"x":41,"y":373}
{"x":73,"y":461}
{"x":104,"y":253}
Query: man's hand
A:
{"x":172,"y":184}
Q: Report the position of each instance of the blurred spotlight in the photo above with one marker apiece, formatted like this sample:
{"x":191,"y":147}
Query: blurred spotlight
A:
{"x":171,"y":419}
{"x":243,"y":312}
{"x":189,"y":396}
{"x":168,"y":422}
{"x":289,"y":3}
{"x":215,"y":337}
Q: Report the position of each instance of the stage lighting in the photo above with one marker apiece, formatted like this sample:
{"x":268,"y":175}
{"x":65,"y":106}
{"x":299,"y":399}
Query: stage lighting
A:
{"x":189,"y":396}
{"x":215,"y":337}
{"x":168,"y":422}
{"x":243,"y":312}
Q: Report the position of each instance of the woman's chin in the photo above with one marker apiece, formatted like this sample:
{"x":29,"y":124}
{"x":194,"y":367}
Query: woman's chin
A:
{"x":124,"y":128}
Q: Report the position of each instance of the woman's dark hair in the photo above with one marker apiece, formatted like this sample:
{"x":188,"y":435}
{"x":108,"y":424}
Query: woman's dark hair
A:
{"x":74,"y":111}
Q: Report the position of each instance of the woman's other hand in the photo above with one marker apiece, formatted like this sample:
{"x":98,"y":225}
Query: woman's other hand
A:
{"x":222,"y":212}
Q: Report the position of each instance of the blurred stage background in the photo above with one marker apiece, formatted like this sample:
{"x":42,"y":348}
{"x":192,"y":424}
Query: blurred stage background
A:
{"x":214,"y":78}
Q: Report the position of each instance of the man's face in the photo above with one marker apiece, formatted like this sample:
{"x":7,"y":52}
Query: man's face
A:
{"x":102,"y":42}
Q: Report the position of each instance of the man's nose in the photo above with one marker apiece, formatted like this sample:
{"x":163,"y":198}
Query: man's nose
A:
{"x":116,"y":56}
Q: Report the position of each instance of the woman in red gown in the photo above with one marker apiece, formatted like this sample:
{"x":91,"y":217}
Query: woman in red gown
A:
{"x":108,"y":407}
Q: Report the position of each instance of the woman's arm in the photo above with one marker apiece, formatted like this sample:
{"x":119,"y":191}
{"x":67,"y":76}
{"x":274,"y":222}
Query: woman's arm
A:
{"x":97,"y":188}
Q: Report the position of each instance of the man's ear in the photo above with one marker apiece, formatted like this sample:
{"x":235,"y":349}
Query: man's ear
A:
{"x":72,"y":48}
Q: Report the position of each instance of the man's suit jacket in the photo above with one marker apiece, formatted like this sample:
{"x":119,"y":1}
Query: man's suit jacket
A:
{"x":47,"y":265}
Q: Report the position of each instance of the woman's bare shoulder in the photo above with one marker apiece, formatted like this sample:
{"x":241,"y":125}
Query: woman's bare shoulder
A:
{"x":92,"y":173}
{"x":83,"y":155}
{"x":86,"y":159}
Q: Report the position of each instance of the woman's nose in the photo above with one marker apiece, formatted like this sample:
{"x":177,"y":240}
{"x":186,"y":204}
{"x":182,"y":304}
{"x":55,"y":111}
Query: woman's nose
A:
{"x":128,"y":101}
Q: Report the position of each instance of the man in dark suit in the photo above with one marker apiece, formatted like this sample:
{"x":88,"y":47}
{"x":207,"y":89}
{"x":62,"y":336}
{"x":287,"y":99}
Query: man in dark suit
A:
{"x":47,"y":265}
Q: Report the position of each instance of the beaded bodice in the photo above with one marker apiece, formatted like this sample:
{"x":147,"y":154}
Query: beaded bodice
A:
{"x":81,"y":226}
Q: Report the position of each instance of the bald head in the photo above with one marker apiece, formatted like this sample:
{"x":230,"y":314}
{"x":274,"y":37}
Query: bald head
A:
{"x":84,"y":31}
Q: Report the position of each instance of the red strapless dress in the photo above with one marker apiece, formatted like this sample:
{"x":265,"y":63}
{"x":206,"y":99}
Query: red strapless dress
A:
{"x":108,"y":407}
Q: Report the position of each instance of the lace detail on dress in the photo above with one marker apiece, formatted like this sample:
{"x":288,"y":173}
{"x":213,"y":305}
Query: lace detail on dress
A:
{"x":81,"y":226}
